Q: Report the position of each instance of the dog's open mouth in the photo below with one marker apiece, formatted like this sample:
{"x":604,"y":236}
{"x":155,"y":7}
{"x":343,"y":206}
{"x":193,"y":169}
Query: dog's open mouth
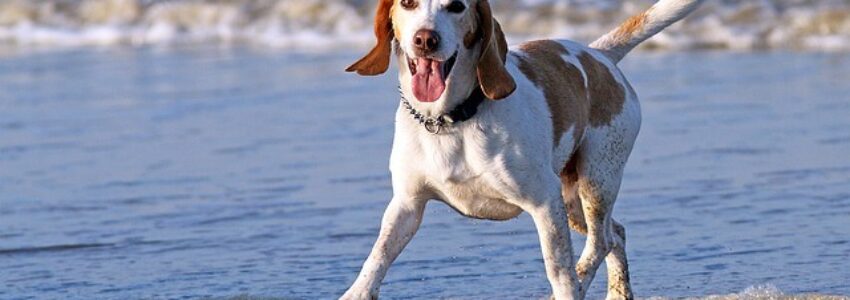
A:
{"x":429,"y":76}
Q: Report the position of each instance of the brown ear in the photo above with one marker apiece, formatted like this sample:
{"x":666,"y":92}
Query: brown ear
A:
{"x":496,"y":82}
{"x":378,"y":60}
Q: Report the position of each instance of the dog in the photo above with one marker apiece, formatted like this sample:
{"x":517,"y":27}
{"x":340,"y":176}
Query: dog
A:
{"x":545,"y":127}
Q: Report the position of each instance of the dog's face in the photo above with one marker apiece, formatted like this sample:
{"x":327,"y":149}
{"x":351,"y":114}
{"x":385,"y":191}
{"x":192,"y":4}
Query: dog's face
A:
{"x":429,"y":35}
{"x":444,"y":48}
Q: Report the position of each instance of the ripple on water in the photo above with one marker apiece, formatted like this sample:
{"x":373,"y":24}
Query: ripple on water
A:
{"x":181,"y":173}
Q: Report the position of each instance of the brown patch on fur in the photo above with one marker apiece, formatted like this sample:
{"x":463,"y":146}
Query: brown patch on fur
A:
{"x":629,"y":27}
{"x":562,"y":85}
{"x":495,"y":81}
{"x":378,"y":60}
{"x":470,"y":38}
{"x":501,"y":42}
{"x":570,"y":171}
{"x":607,"y":96}
{"x":569,"y":184}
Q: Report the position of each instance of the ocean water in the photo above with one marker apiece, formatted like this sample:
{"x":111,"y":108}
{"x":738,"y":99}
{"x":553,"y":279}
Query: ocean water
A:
{"x":822,"y":25}
{"x":242,"y":173}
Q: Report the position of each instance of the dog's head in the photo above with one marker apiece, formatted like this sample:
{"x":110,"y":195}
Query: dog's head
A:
{"x":444,"y":48}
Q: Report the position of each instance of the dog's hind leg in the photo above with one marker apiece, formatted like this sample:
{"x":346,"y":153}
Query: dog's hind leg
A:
{"x":602,"y":159}
{"x":618,"y":269}
{"x":618,"y":272}
{"x":600,"y":241}
{"x":599,"y":244}
{"x":619,"y":286}
{"x":569,"y":191}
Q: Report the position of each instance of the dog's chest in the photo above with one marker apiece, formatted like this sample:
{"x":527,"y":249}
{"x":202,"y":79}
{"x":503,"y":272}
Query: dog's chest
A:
{"x":459,"y":170}
{"x":452,"y":160}
{"x":475,"y":198}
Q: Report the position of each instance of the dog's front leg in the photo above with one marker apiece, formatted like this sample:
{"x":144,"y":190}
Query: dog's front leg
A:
{"x":550,"y":218}
{"x":400,"y":222}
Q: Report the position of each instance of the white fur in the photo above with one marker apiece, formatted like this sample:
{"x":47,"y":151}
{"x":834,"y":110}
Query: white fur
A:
{"x":503,"y":162}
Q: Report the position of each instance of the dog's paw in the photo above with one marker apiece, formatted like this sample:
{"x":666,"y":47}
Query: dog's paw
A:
{"x":359,"y":294}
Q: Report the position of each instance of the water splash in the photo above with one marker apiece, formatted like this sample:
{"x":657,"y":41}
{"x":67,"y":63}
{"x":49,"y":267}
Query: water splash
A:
{"x":765,"y":292}
{"x":318,"y":24}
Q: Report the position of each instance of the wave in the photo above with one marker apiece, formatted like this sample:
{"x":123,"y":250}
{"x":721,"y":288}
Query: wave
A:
{"x":822,"y":25}
{"x":763,"y":292}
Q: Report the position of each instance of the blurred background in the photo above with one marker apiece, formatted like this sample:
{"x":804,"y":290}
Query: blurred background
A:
{"x":215,"y":149}
{"x":720,"y":24}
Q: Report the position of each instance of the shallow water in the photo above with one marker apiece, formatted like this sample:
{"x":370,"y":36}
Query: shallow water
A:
{"x":209,"y":172}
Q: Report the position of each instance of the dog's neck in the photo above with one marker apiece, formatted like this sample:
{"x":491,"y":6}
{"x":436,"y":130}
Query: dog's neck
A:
{"x":430,"y":109}
{"x":463,"y":111}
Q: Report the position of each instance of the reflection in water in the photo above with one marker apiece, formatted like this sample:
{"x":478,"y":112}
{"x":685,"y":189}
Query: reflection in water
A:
{"x":154,"y":173}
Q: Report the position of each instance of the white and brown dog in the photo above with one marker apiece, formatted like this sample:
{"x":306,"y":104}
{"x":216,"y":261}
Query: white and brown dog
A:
{"x":555,"y":145}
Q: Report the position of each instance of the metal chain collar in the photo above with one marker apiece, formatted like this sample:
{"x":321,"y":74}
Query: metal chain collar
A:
{"x":431,"y":124}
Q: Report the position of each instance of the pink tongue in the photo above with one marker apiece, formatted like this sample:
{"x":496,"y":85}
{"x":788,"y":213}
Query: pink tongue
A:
{"x":428,"y":83}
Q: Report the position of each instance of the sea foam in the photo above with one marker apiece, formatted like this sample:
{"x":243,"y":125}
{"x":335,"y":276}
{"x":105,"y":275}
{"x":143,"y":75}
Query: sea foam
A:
{"x":762,"y":292}
{"x":320,"y":24}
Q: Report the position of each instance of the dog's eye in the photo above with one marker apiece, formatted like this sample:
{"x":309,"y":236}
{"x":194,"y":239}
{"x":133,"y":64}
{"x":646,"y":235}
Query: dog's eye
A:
{"x":409,"y":4}
{"x":456,"y":7}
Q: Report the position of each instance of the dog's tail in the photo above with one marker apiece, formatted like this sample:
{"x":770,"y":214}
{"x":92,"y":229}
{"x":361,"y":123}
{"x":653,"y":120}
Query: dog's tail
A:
{"x":617,"y":43}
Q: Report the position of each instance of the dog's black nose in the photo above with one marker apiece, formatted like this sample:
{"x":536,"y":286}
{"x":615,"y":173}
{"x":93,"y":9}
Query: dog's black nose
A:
{"x":426,"y":41}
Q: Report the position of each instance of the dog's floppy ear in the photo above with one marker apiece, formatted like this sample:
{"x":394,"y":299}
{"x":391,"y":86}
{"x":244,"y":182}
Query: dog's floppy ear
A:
{"x":496,"y":82}
{"x":378,"y":60}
